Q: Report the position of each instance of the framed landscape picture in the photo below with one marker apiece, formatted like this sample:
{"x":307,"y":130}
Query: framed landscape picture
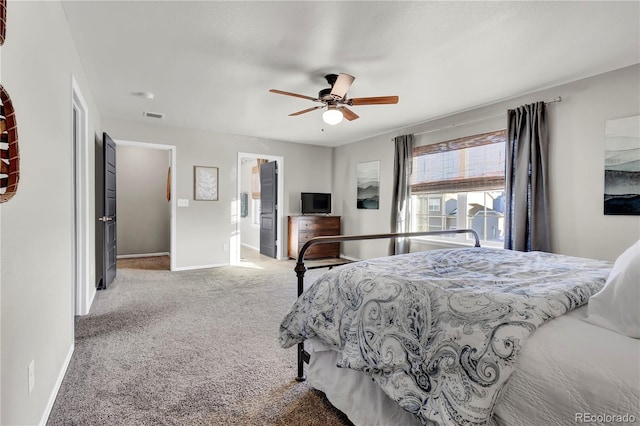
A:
{"x":205,"y":184}
{"x":368,"y":193}
{"x":622,"y":166}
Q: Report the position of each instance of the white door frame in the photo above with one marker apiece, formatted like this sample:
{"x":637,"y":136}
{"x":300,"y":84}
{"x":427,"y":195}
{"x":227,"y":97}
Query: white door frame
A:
{"x":172,"y":155}
{"x":82,"y":294}
{"x":236,"y":239}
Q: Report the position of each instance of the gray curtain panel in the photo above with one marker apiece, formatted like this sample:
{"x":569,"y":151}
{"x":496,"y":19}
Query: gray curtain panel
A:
{"x":401,"y":201}
{"x":527,"y":206}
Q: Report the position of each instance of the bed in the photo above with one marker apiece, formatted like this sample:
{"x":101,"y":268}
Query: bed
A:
{"x":447,"y":337}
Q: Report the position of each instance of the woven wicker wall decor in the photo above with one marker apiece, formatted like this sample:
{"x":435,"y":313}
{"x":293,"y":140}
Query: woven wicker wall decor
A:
{"x":9,"y":154}
{"x":3,"y":20}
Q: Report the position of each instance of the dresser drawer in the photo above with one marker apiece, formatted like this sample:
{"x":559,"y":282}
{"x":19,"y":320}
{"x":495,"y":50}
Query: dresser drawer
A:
{"x":303,"y":237}
{"x":317,"y":251}
{"x":327,"y":224}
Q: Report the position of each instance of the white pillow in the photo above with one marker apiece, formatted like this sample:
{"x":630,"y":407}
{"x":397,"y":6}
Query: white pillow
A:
{"x":617,"y":305}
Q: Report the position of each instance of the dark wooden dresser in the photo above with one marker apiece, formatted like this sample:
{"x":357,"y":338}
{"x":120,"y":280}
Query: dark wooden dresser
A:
{"x":303,"y":228}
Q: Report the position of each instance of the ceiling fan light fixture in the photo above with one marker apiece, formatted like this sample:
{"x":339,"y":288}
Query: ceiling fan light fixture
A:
{"x":335,"y":99}
{"x":332,"y":116}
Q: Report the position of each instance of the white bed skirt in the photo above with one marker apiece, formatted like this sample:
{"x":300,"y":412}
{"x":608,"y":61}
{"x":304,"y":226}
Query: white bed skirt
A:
{"x":568,"y":368}
{"x":353,"y":393}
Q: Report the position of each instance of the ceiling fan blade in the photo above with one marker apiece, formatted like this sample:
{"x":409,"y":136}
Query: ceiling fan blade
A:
{"x":280,"y":92}
{"x":306,"y":110}
{"x":377,"y":100}
{"x":348,"y":114}
{"x":341,"y":86}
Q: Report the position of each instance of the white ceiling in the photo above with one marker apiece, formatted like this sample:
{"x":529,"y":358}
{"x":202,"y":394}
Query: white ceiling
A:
{"x":210,"y":64}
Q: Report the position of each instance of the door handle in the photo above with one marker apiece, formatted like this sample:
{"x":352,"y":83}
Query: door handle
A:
{"x":105,"y":218}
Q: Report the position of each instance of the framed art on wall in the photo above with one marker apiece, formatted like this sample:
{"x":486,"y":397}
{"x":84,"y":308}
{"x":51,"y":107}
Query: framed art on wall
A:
{"x":368,"y":192}
{"x":622,"y":166}
{"x":205,"y":183}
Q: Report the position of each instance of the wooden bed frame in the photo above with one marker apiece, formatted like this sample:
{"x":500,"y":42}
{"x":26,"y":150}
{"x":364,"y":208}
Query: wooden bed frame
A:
{"x":300,"y":269}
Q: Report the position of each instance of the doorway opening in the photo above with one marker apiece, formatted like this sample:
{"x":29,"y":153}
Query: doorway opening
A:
{"x":245,"y":243}
{"x":146,"y":205}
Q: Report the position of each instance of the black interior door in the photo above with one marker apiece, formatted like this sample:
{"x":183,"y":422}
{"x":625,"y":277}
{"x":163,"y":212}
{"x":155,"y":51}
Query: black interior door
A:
{"x":268,"y":208}
{"x":108,"y":218}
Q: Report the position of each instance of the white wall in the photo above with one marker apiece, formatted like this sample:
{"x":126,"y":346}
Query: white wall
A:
{"x":144,"y":214}
{"x":576,"y":165}
{"x":578,"y":224}
{"x":363,"y":221}
{"x":205,"y":228}
{"x":38,"y":59}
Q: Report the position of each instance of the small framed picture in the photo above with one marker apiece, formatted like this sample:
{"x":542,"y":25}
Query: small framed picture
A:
{"x":205,"y":183}
{"x":368,"y":190}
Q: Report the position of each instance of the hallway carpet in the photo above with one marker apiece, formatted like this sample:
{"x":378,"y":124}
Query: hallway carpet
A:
{"x":190,"y":348}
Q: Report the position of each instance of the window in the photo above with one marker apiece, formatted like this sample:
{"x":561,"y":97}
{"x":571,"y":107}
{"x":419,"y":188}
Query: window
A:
{"x":460,"y":184}
{"x":434,"y":204}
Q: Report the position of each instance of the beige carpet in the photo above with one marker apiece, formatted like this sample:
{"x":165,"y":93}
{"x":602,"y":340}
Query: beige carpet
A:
{"x":190,"y":348}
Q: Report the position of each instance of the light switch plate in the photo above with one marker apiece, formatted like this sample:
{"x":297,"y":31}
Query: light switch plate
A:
{"x":183,"y":202}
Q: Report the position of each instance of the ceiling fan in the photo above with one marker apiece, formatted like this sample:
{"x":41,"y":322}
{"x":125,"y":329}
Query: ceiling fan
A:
{"x":335,"y":99}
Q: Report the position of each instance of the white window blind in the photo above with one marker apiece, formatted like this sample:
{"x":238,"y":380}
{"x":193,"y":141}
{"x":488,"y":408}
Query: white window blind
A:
{"x":473,"y":163}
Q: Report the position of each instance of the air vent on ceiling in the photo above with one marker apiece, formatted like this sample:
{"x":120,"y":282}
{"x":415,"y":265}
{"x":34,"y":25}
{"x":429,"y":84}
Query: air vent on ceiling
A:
{"x":150,"y":114}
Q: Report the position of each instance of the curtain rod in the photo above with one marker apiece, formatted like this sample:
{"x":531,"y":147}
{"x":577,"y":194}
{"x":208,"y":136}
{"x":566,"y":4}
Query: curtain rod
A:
{"x":551,"y":101}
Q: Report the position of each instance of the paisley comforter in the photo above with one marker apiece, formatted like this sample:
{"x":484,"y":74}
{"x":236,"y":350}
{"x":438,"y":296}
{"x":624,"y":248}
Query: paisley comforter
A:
{"x":440,"y":331}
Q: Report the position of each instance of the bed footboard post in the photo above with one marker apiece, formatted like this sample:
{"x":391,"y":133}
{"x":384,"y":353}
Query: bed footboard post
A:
{"x":300,"y":377}
{"x":300,"y":270}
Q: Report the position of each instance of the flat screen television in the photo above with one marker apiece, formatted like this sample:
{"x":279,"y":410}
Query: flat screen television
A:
{"x":315,"y":203}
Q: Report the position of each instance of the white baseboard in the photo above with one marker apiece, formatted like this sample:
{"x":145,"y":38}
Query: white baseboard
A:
{"x":131,"y":256}
{"x":56,"y":387}
{"x":191,"y":268}
{"x":93,"y":296}
{"x":353,"y":259}
{"x":251,"y":247}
